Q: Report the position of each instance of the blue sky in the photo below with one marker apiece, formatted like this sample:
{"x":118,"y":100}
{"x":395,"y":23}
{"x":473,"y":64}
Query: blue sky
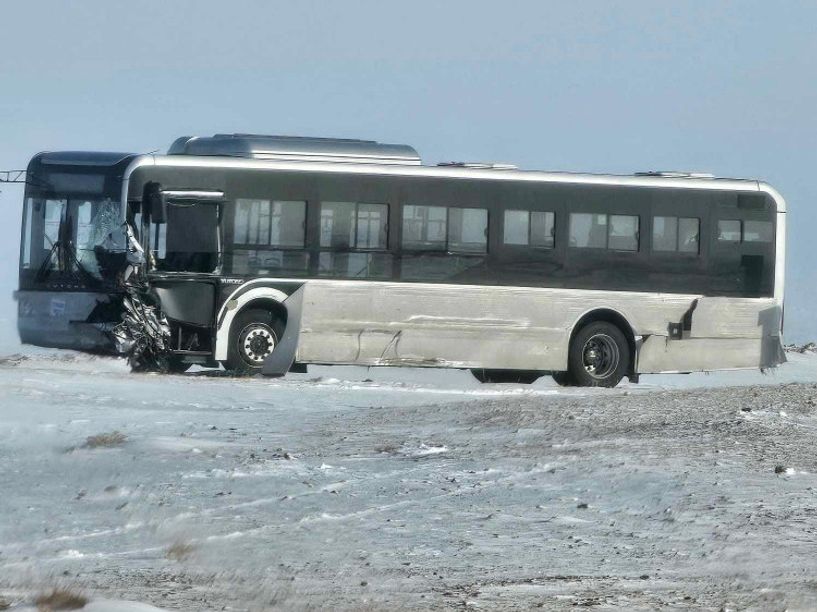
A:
{"x":725,"y":87}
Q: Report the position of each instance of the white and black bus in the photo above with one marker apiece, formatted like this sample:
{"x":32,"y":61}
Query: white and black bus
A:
{"x":269,"y":253}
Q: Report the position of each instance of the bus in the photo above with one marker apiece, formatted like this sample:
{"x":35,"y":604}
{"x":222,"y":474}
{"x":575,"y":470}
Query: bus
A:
{"x":266,"y":254}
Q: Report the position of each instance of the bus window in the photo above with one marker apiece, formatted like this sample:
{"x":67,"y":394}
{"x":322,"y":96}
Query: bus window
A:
{"x":689,"y":232}
{"x":758,"y":231}
{"x":468,"y":230}
{"x":664,"y":233}
{"x":729,"y":230}
{"x":277,"y":223}
{"x":372,"y":226}
{"x":337,"y":224}
{"x":516,"y":228}
{"x":522,"y":227}
{"x":623,"y":233}
{"x":588,"y":231}
{"x":354,"y":225}
{"x":675,"y":234}
{"x":352,"y":230}
{"x":424,"y":227}
{"x":542,"y":229}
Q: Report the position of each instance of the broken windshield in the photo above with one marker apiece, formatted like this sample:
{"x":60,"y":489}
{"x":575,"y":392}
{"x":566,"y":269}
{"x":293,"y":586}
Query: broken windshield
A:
{"x":62,"y":233}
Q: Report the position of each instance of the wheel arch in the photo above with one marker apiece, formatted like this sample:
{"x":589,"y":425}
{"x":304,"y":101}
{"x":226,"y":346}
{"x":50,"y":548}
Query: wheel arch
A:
{"x":259,"y":297}
{"x":266,"y":303}
{"x":613,"y":316}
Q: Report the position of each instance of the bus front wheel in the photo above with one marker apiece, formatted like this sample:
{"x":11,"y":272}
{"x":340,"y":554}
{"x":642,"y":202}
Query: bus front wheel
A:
{"x":254,"y":335}
{"x":599,"y":355}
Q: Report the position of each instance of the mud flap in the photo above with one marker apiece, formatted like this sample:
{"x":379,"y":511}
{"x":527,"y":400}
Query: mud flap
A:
{"x":279,"y":362}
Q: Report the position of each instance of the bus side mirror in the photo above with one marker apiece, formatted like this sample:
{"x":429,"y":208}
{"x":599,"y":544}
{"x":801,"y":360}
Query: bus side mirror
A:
{"x":154,"y":204}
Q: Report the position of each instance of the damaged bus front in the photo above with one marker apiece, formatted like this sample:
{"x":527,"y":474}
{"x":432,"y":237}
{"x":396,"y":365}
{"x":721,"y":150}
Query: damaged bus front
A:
{"x":170,"y":301}
{"x":68,"y":293}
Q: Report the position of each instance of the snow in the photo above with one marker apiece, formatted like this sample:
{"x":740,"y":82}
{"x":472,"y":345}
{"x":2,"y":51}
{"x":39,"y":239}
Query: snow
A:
{"x":304,"y":488}
{"x":105,"y":605}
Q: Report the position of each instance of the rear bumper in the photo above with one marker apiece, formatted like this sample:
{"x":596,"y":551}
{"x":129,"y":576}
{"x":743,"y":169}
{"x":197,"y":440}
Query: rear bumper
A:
{"x":60,"y":320}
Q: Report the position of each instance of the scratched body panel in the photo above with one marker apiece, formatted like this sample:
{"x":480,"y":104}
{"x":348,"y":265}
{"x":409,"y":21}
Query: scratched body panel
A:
{"x":371,"y":323}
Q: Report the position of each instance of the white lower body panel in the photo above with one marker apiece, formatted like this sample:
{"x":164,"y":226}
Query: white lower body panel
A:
{"x":370,"y":323}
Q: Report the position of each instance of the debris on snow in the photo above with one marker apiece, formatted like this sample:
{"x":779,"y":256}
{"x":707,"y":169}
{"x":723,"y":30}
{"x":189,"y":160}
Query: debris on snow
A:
{"x":60,"y":599}
{"x":106,"y":440}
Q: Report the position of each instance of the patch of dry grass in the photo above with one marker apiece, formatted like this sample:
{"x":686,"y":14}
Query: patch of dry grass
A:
{"x":179,"y":551}
{"x":60,"y":599}
{"x":105,"y":440}
{"x":389,"y":449}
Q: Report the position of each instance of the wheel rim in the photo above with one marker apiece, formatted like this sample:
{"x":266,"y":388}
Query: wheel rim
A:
{"x":600,"y":356}
{"x":255,"y":342}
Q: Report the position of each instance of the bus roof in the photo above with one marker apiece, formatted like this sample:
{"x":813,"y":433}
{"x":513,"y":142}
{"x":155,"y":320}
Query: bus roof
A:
{"x":654,"y":180}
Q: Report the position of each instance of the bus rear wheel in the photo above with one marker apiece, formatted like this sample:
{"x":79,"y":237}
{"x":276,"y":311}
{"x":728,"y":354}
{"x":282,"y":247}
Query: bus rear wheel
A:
{"x":254,"y":335}
{"x":522,"y":377}
{"x":599,"y":355}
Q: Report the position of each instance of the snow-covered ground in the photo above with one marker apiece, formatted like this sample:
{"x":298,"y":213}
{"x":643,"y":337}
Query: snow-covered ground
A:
{"x":402,"y":488}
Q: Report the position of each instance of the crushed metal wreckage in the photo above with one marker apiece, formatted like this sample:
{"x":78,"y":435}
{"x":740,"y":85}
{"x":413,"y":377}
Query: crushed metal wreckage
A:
{"x":143,"y":333}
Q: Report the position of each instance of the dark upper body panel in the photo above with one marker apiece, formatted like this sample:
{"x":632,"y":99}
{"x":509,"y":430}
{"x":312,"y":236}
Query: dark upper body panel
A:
{"x":718,"y":268}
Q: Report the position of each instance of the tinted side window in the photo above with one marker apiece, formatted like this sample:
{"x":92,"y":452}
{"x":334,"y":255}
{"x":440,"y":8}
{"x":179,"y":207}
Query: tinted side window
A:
{"x":352,"y":233}
{"x":675,"y":234}
{"x":516,"y":228}
{"x":424,"y":227}
{"x":276,"y":223}
{"x":593,"y":231}
{"x":542,"y":229}
{"x":623,"y":235}
{"x":729,"y":230}
{"x":372,"y":226}
{"x":665,"y":233}
{"x":468,"y":230}
{"x":437,"y":228}
{"x":337,"y":224}
{"x":523,"y":228}
{"x":758,"y":231}
{"x":689,"y":235}
{"x":588,"y":230}
{"x":354,"y":225}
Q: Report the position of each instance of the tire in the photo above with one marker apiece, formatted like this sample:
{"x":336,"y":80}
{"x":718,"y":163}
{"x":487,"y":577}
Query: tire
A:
{"x":599,"y":355}
{"x":254,"y":334}
{"x":563,"y":379}
{"x":522,"y":377}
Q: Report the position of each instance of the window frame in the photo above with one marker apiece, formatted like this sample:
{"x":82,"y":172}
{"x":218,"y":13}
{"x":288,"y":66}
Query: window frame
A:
{"x":722,"y":241}
{"x":353,"y":248}
{"x":606,"y":246}
{"x":447,"y":247}
{"x":676,"y":252}
{"x":743,"y":222}
{"x":772,"y":227}
{"x":529,"y":244}
{"x":266,"y":246}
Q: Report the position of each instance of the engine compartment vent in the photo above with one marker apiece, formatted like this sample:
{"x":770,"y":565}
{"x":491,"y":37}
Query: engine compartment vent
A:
{"x":296,"y":148}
